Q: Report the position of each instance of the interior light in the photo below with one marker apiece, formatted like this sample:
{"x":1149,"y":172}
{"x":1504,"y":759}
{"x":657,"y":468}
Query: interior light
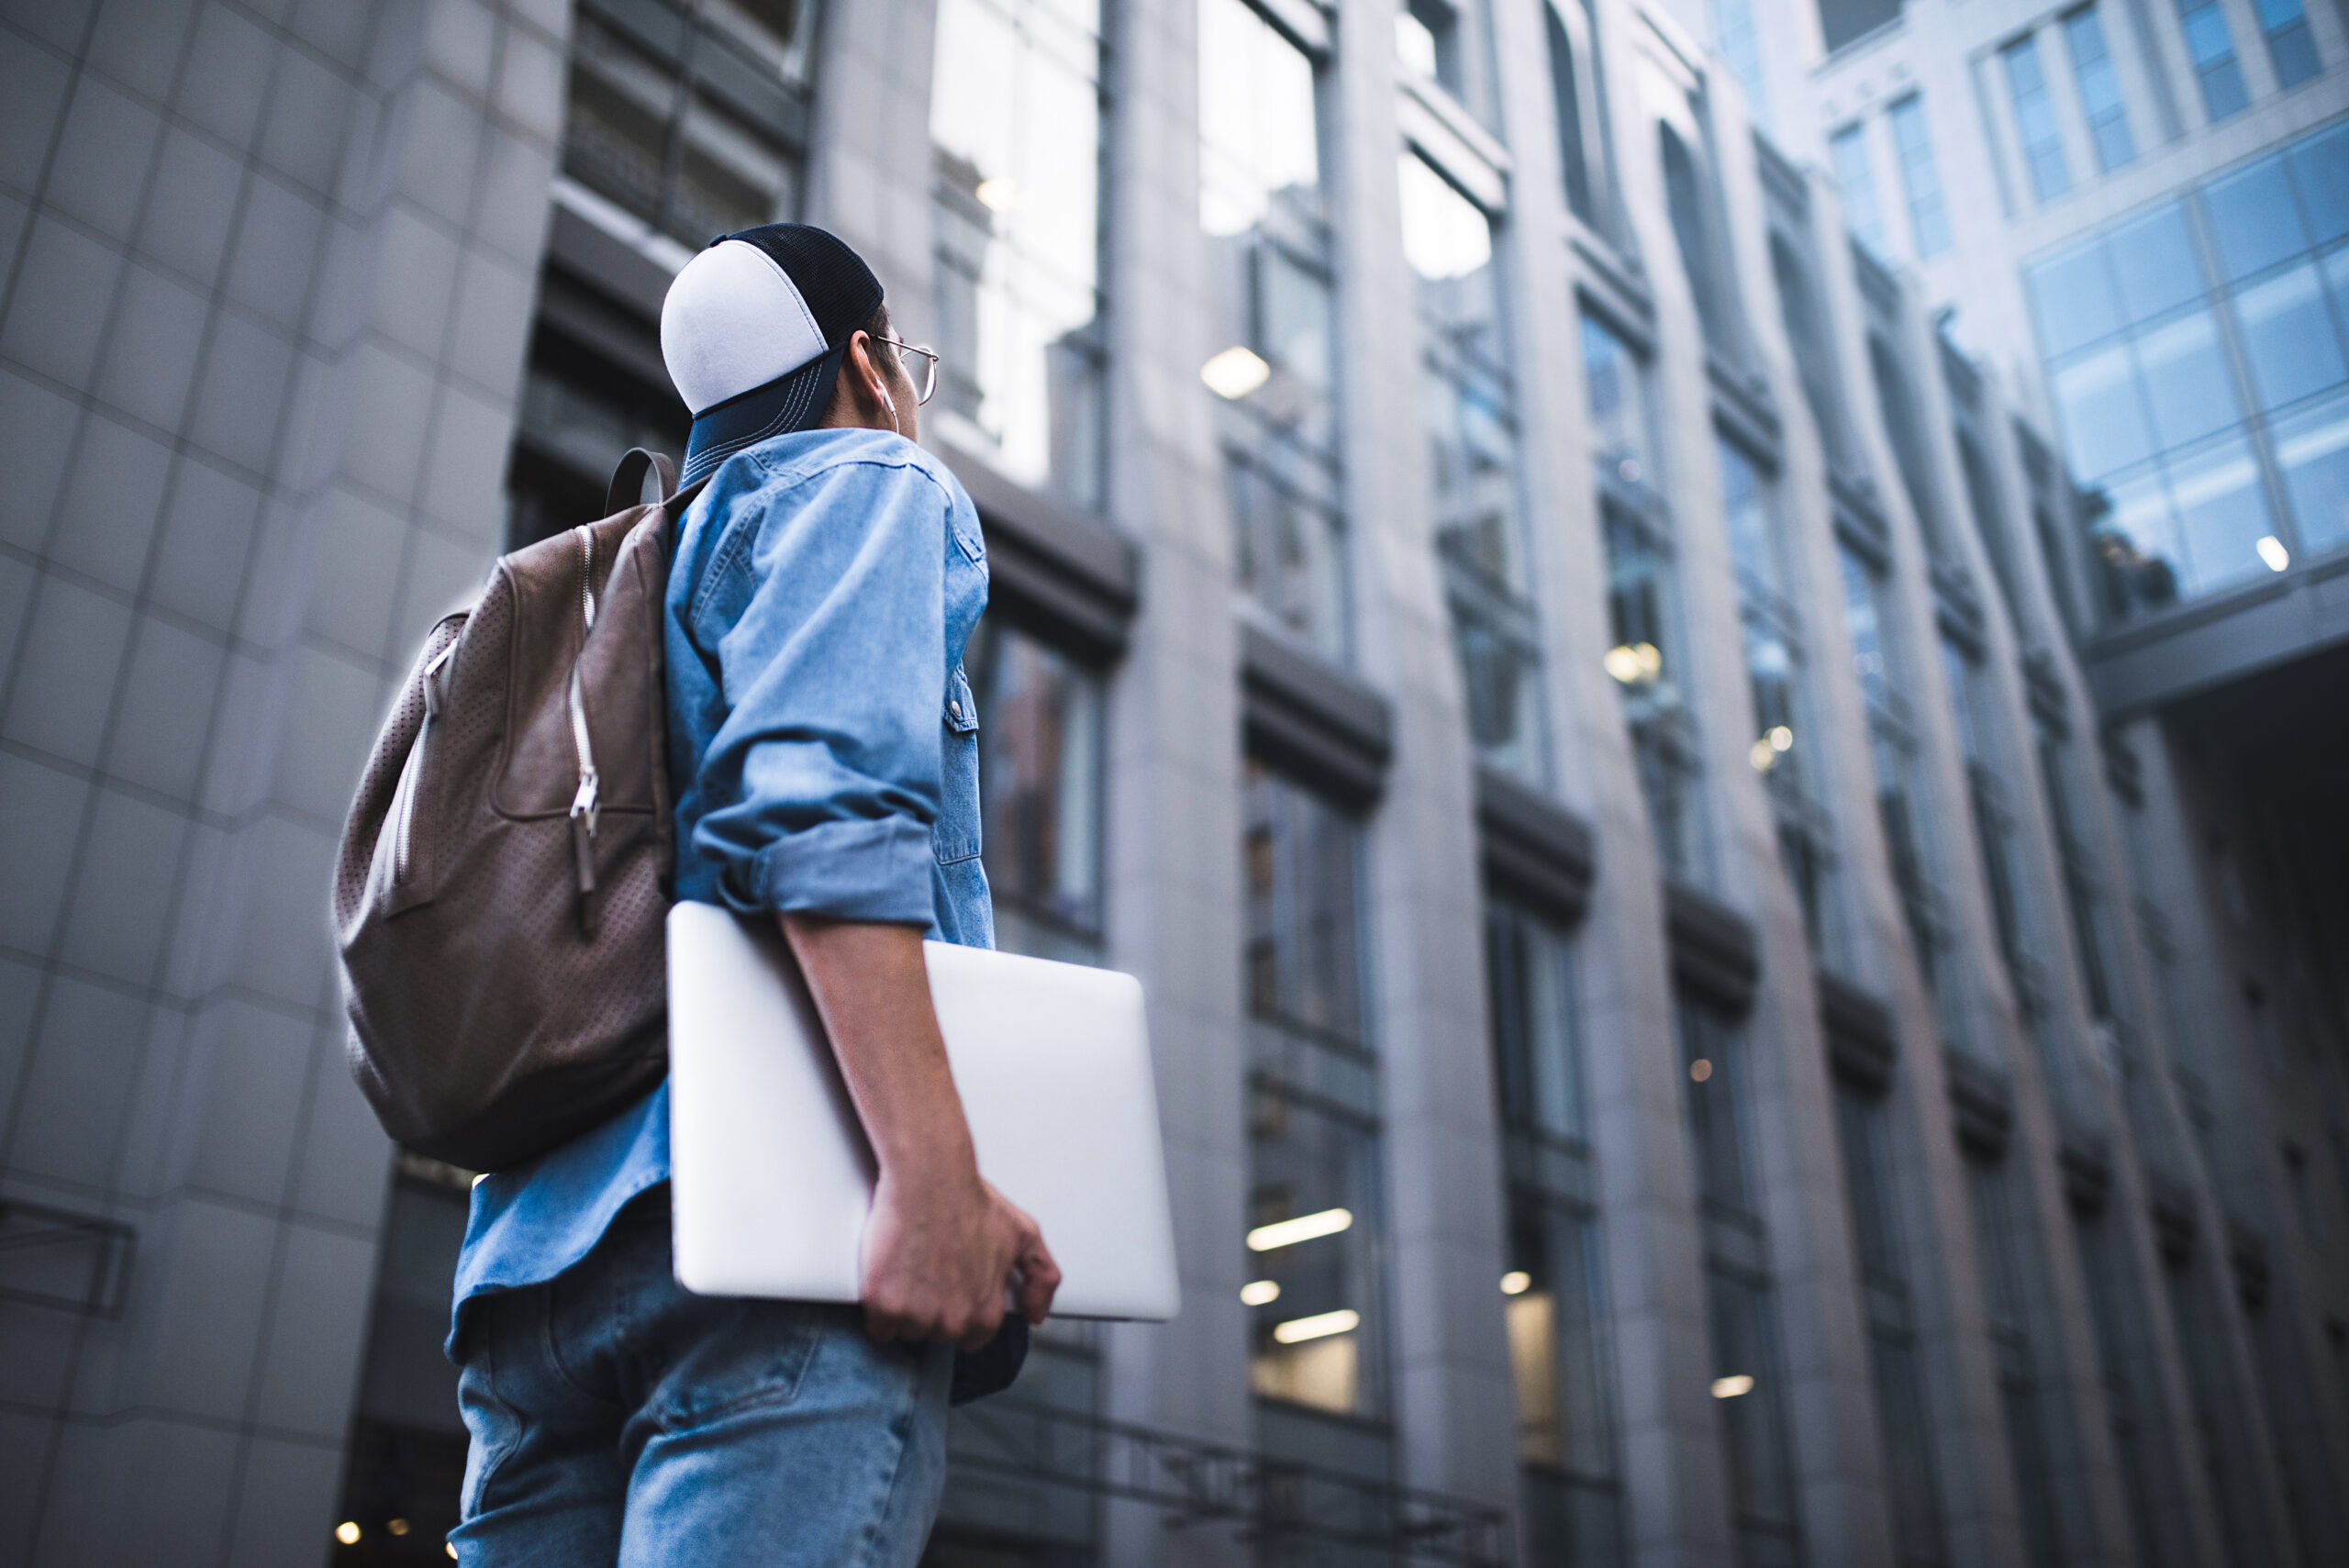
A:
{"x":1781,"y":738}
{"x":1651,"y":658}
{"x":998,"y":194}
{"x":347,"y":1532}
{"x":1304,"y":1227}
{"x":1622,"y":662}
{"x":1235,"y":373}
{"x":1259,"y":1293}
{"x":1732,"y":1387}
{"x":2271,"y":551}
{"x":1700,"y":1068}
{"x":1762,"y":755}
{"x":1516,"y":1282}
{"x":398,"y":1527}
{"x":1320,"y":1326}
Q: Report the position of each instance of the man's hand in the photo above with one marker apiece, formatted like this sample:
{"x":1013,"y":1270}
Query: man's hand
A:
{"x":941,"y":1246}
{"x":938,"y":1254}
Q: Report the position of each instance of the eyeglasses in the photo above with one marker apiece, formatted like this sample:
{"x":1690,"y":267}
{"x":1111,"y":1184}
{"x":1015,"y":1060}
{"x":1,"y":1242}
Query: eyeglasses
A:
{"x":922,"y":369}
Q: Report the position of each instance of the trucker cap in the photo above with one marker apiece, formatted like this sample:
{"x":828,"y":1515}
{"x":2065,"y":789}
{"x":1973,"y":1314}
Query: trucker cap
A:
{"x":753,"y":331}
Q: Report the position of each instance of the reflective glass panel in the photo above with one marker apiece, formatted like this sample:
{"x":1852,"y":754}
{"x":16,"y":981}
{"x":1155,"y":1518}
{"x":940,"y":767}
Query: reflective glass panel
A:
{"x":2099,"y":87}
{"x":2253,"y":218}
{"x":1448,"y":241}
{"x":2290,"y":46}
{"x":2035,"y":125}
{"x":1039,"y":780}
{"x":1750,"y":500}
{"x":1314,"y":1334}
{"x":1299,"y":861}
{"x":2072,"y":299}
{"x":1530,"y":976}
{"x":1556,"y":1318}
{"x":1927,"y":219}
{"x":2188,"y":387}
{"x":2320,"y":172}
{"x":1617,"y":382}
{"x":2213,"y":51}
{"x":2312,"y":450}
{"x":2289,"y":336}
{"x":2222,"y":515}
{"x":1257,"y":138}
{"x":1850,"y":149}
{"x":1016,"y":123}
{"x":2103,"y":413}
{"x":2153,"y":261}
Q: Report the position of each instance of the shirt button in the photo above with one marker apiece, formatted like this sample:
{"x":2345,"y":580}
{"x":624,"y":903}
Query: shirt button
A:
{"x":956,"y":709}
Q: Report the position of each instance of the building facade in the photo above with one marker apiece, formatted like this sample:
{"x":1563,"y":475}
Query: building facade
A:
{"x":1685,"y":1035}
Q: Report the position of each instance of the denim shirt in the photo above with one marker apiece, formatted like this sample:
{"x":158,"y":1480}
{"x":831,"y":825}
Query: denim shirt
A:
{"x":823,"y":748}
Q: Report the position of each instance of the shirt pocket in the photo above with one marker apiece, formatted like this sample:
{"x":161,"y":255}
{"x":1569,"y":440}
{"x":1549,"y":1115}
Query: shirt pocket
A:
{"x":955,"y":836}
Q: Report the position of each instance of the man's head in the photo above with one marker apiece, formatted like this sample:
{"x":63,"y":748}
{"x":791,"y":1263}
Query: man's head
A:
{"x":756,"y":332}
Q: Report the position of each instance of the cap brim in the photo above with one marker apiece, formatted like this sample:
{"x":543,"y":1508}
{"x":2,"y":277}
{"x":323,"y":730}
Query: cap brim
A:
{"x":794,"y":401}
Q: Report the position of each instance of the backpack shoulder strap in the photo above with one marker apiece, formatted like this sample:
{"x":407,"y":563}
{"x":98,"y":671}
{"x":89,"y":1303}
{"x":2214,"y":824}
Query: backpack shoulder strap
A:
{"x":628,"y":480}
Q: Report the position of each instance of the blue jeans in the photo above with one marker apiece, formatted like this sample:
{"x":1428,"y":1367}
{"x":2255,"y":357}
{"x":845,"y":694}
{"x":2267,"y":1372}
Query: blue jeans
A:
{"x":617,"y":1419}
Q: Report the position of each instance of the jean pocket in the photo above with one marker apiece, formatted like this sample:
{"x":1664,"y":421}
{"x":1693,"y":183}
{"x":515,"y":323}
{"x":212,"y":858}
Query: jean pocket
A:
{"x":745,"y":1354}
{"x":494,"y":1427}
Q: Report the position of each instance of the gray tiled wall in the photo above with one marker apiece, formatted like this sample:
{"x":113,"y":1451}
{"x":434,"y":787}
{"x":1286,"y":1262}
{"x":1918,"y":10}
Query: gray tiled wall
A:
{"x":269,"y":269}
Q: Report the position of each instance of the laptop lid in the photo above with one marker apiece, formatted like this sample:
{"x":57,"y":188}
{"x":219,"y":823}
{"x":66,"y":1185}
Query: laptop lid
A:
{"x":771,"y":1177}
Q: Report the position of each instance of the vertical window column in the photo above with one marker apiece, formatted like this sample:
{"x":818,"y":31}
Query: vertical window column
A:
{"x":1015,"y":123}
{"x":1315,"y":1241}
{"x":1643,"y":603}
{"x":1900,"y":803}
{"x":1555,"y":1304}
{"x":2031,"y":1398}
{"x":1748,"y":1384}
{"x":1862,"y":212}
{"x":1912,"y":141}
{"x":1261,"y":207}
{"x":1471,"y":414}
{"x":2141,"y":1440}
{"x":2289,"y":43}
{"x":2035,"y":126}
{"x":2212,"y":49}
{"x":1863,"y":1130}
{"x":2099,"y":88}
{"x":1785,"y":748}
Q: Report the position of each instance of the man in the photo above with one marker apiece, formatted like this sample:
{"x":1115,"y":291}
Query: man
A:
{"x":823,"y":747}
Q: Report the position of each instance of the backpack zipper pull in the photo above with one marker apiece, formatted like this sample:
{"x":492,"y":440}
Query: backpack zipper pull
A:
{"x":583,"y":813}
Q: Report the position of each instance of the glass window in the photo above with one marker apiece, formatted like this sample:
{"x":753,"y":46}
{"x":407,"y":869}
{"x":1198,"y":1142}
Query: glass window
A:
{"x":1274,"y":376}
{"x":2254,"y":219}
{"x":2289,"y":43}
{"x":1427,"y":40}
{"x":2289,"y":335}
{"x":1713,"y":1050}
{"x":1685,"y":201}
{"x":1861,"y":212}
{"x":579,"y":413}
{"x":1040,"y":778}
{"x":2034,"y":107}
{"x":2312,"y":450}
{"x":1617,"y":382}
{"x":688,"y":118}
{"x":1641,"y":613}
{"x":1566,"y":101}
{"x":1530,"y":975}
{"x":1989,"y":511}
{"x":1554,"y":1308}
{"x":2099,"y":87}
{"x":1314,"y":1216}
{"x":1928,"y":220}
{"x":1814,"y":353}
{"x":1750,"y":500}
{"x":1472,"y":436}
{"x":2030,"y":1392}
{"x":1740,"y":46}
{"x":1863,"y":1130}
{"x":2213,"y":52}
{"x":1304,"y":912}
{"x":2152,"y":263}
{"x":1257,"y":135}
{"x":2319,"y":166}
{"x":1896,"y":402}
{"x":2140,"y":1440}
{"x":1016,"y":124}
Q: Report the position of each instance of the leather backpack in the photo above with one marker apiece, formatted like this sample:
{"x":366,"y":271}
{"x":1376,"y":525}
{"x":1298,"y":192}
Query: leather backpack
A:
{"x":509,"y":861}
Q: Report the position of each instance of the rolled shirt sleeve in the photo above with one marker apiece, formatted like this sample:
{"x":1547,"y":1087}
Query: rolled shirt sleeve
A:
{"x":824,"y":607}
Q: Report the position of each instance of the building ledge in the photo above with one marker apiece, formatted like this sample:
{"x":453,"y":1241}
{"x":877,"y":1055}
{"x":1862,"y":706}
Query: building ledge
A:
{"x":2195,"y":647}
{"x":1533,"y":849}
{"x":1313,"y":719}
{"x":1715,"y":953}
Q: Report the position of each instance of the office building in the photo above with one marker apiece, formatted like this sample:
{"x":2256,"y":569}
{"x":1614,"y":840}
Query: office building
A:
{"x":1684,"y":1034}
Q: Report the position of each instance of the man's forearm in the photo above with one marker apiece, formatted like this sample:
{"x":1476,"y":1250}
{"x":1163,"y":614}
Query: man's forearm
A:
{"x":871,"y":989}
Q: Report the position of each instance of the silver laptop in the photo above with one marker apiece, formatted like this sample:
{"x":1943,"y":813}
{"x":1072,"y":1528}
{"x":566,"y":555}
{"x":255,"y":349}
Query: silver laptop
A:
{"x":771,"y":1175}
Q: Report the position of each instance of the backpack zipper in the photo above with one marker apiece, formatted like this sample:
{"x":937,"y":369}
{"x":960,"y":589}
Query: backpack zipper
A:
{"x":411,"y":775}
{"x":585,"y":803}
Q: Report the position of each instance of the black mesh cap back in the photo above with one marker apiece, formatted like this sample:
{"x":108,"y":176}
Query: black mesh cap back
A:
{"x":838,"y":287}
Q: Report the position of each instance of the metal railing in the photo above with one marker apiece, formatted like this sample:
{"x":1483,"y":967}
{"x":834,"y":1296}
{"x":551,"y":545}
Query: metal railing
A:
{"x":1196,"y":1483}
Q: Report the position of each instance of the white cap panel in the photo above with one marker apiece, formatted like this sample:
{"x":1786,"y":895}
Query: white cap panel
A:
{"x":733,"y":320}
